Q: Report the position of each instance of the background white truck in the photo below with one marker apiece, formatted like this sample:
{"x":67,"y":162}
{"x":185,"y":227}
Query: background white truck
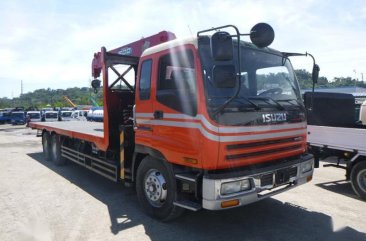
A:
{"x":334,"y":129}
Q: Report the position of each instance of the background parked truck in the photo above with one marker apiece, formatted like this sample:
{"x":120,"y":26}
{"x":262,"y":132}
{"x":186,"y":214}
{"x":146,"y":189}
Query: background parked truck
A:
{"x":17,"y":118}
{"x":335,"y":130}
{"x":207,"y":122}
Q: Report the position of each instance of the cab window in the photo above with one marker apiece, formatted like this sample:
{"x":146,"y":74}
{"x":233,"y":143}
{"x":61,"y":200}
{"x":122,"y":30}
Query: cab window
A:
{"x":176,"y":85}
{"x":145,"y":80}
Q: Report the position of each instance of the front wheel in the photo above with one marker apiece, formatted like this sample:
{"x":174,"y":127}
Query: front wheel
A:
{"x":358,"y":179}
{"x":156,"y":189}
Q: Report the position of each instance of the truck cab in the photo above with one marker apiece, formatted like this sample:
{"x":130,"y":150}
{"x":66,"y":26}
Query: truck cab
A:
{"x":66,"y":115}
{"x":50,"y":116}
{"x":4,"y":117}
{"x":34,"y":116}
{"x":234,"y":113}
{"x":79,"y":115}
{"x":17,"y":118}
{"x":180,"y":96}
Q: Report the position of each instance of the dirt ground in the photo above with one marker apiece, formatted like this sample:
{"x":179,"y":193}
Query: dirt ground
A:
{"x":41,"y":201}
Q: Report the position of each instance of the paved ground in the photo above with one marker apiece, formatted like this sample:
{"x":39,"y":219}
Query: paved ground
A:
{"x":40,"y":201}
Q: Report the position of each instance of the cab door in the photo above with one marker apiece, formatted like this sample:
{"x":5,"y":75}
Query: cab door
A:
{"x":176,"y":130}
{"x":144,"y":99}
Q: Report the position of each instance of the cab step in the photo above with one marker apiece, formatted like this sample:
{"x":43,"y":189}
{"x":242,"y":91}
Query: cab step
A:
{"x":186,"y":177}
{"x":193,"y":206}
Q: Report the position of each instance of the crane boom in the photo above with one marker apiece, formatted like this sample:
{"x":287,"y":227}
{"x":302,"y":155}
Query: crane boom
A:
{"x":69,"y":101}
{"x":134,"y":49}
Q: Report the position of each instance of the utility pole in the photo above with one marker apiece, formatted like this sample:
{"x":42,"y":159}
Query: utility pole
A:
{"x":21,"y":87}
{"x":12,"y":98}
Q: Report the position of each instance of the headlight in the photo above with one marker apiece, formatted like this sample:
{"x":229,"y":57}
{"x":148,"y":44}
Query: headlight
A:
{"x":305,"y":167}
{"x":234,"y":187}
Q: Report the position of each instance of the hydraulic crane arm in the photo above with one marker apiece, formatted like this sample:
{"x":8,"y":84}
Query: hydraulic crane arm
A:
{"x":69,"y":101}
{"x":134,"y":49}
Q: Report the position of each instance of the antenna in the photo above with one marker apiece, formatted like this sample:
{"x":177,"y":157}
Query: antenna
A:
{"x":189,"y":28}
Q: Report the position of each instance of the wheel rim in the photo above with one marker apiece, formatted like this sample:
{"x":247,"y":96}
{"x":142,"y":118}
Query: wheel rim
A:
{"x":361,"y":179}
{"x":155,"y":188}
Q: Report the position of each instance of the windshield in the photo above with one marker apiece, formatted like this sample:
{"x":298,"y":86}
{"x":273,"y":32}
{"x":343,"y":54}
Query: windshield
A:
{"x":51,"y":115}
{"x":66,"y":114}
{"x":34,"y":115}
{"x":263,"y":74}
{"x":267,"y":82}
{"x":17,"y":115}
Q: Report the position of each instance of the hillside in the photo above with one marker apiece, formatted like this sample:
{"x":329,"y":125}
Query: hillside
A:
{"x":82,"y":96}
{"x":43,"y":97}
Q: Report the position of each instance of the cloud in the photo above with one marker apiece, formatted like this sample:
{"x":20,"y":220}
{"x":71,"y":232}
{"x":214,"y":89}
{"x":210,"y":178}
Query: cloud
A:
{"x":51,"y":44}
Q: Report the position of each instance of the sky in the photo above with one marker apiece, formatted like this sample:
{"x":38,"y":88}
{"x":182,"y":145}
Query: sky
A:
{"x":50,"y":43}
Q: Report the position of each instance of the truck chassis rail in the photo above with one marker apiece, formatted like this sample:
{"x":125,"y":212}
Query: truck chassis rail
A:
{"x":99,"y":166}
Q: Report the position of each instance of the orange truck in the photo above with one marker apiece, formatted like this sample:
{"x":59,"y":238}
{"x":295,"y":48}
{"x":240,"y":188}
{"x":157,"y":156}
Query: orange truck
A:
{"x":207,"y":122}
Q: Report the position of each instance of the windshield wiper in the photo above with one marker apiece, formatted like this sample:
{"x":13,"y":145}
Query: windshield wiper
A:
{"x":290,"y":101}
{"x":254,"y":105}
{"x":267,"y":100}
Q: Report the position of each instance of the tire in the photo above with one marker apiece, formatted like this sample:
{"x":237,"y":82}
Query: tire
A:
{"x":56,"y":150}
{"x":358,"y":179}
{"x":156,"y":189}
{"x":46,"y":145}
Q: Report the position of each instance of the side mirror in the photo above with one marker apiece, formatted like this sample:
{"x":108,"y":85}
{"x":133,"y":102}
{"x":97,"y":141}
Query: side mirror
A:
{"x":222,"y":46}
{"x":315,"y":74}
{"x":95,"y":84}
{"x":224,"y":76}
{"x":262,"y":35}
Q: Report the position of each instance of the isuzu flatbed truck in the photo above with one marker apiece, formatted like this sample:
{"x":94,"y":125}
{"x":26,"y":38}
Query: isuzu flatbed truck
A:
{"x":208,"y":122}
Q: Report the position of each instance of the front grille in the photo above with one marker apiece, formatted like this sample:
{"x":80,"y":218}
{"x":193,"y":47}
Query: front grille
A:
{"x":259,"y":153}
{"x":263,"y":148}
{"x":264,"y":143}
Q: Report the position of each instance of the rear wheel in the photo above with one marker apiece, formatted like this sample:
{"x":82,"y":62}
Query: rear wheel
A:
{"x":46,"y":141}
{"x":358,"y":179}
{"x":56,"y":150}
{"x":156,"y":189}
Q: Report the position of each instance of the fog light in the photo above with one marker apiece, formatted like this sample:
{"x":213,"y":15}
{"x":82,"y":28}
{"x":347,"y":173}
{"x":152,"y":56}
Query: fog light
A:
{"x":234,"y":187}
{"x":305,"y":167}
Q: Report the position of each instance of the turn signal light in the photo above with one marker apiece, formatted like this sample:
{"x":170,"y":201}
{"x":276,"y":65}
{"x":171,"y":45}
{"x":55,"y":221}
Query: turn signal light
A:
{"x":230,"y":203}
{"x":309,"y":178}
{"x":190,"y":160}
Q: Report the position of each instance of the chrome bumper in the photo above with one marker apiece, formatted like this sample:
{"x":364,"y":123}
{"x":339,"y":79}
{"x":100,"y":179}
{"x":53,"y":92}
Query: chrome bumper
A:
{"x":212,"y":198}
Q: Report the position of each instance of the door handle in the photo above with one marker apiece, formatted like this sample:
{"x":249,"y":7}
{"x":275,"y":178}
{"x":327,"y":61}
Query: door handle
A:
{"x":158,"y":114}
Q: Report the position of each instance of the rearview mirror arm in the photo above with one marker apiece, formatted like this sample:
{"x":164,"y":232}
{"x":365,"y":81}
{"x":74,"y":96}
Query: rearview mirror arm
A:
{"x":220,"y":108}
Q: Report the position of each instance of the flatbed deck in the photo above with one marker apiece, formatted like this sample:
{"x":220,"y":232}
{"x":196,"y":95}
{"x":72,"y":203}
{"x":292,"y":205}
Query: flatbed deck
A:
{"x":339,"y":138}
{"x":84,"y":130}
